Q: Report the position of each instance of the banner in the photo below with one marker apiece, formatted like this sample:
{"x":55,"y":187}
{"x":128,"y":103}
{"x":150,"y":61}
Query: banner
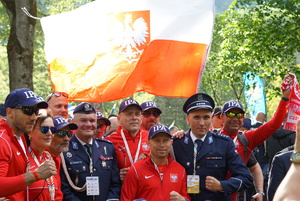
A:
{"x":254,"y":95}
{"x":108,"y":50}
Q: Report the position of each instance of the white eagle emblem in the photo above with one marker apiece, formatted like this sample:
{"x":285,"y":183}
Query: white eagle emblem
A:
{"x":129,"y":36}
{"x":174,"y":178}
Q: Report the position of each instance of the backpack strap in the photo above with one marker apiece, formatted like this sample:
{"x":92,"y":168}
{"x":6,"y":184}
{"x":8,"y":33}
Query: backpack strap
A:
{"x":244,"y":141}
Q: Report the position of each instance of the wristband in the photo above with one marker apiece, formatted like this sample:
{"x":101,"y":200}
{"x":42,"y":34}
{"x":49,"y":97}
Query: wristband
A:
{"x":36,"y":176}
{"x":261,"y":192}
{"x":284,"y":99}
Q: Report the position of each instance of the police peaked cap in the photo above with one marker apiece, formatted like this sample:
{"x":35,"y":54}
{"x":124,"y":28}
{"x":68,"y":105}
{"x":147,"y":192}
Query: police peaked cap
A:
{"x":198,"y":101}
{"x":84,"y":108}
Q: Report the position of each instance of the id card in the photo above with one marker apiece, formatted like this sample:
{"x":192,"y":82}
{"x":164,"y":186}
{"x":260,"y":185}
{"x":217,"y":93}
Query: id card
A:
{"x":193,"y":184}
{"x":92,"y":185}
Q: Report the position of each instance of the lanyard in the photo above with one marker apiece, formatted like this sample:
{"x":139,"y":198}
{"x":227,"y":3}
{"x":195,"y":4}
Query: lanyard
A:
{"x":161,"y":174}
{"x":195,"y":156}
{"x":128,"y":150}
{"x":50,"y":180}
{"x":91,"y":166}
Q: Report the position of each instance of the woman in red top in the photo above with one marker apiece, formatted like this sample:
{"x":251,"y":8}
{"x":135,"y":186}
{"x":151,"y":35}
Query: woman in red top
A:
{"x":38,"y":140}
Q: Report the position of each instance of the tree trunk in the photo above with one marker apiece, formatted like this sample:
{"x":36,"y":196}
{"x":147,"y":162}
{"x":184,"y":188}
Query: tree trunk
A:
{"x":20,"y":42}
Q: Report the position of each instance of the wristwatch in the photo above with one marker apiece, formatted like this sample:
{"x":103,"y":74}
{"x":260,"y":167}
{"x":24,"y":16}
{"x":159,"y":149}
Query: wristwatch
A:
{"x":295,"y":157}
{"x":261,"y":192}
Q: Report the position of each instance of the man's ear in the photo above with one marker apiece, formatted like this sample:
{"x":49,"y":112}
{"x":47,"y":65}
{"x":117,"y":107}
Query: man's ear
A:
{"x":9,"y":112}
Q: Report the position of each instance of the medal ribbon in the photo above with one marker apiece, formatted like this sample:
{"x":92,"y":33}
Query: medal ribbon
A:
{"x":128,"y":150}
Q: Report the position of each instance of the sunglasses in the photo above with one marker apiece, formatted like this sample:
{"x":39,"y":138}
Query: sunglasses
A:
{"x":232,"y":115}
{"x":100,"y":125}
{"x":62,"y":134}
{"x":58,"y":94}
{"x":148,"y":114}
{"x":45,"y":129}
{"x":28,"y":110}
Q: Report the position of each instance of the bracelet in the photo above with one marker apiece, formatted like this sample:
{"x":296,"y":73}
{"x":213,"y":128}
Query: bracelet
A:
{"x":284,"y":99}
{"x":36,"y":176}
{"x":261,"y":192}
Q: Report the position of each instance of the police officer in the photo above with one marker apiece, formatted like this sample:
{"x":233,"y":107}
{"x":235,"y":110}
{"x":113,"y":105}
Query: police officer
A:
{"x":89,"y":169}
{"x":207,"y":157}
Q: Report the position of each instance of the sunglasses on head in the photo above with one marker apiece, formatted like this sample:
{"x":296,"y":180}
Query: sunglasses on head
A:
{"x":58,"y":94}
{"x":148,"y":114}
{"x":28,"y":110}
{"x":232,"y":115}
{"x":100,"y":125}
{"x":62,"y":134}
{"x":45,"y":129}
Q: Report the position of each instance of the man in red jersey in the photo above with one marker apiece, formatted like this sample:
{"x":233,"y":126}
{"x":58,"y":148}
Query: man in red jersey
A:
{"x":129,"y":140}
{"x":158,"y":177}
{"x":22,"y":107}
{"x":232,"y":115}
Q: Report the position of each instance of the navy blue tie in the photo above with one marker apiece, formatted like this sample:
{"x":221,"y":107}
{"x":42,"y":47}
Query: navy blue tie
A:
{"x":199,"y":143}
{"x":89,"y":149}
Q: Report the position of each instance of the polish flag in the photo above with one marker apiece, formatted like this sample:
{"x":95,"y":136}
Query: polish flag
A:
{"x":108,"y":50}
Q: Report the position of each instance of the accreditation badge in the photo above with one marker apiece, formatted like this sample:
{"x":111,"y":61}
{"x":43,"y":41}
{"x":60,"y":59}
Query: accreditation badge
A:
{"x":92,"y":185}
{"x":193,"y":184}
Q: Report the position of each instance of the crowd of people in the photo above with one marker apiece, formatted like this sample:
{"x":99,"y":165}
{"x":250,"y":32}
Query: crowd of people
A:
{"x":132,"y":156}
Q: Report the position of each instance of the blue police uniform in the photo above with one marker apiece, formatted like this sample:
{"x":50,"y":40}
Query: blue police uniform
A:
{"x":280,"y":166}
{"x":216,"y":157}
{"x":104,"y":166}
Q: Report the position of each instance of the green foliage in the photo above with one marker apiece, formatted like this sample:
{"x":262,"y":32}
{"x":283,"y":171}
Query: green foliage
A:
{"x":4,"y":32}
{"x":261,"y":39}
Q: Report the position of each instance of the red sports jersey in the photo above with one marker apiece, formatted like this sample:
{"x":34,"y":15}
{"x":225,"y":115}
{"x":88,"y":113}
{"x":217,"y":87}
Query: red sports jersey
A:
{"x":133,"y":143}
{"x":144,"y":181}
{"x":39,"y":190}
{"x":13,"y":163}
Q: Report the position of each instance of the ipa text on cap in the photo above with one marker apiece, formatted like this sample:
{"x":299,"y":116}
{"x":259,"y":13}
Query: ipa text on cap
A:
{"x":24,"y":97}
{"x":60,"y":122}
{"x":198,"y":101}
{"x":149,"y":105}
{"x":232,"y":104}
{"x":128,"y":102}
{"x":158,"y":128}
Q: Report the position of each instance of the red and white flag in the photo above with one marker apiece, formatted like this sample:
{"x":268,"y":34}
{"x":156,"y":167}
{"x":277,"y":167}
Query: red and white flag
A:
{"x":293,"y":114}
{"x":108,"y":50}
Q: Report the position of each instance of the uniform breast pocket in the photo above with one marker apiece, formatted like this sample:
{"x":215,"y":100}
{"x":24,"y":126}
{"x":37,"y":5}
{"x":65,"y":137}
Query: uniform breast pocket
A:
{"x":215,"y":162}
{"x":77,"y":167}
{"x":106,"y":164}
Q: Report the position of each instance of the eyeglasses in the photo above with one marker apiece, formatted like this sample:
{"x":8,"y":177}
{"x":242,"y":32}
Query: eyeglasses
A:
{"x":62,"y":134}
{"x":148,"y":114}
{"x":28,"y":110}
{"x":58,"y":94}
{"x":45,"y":129}
{"x":100,"y":125}
{"x":232,"y":115}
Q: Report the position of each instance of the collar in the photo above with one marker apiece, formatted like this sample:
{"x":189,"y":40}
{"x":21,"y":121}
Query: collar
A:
{"x":170,"y":159}
{"x":36,"y":153}
{"x":194,"y":138}
{"x":127,"y":134}
{"x":231,"y":135}
{"x":83,"y":143}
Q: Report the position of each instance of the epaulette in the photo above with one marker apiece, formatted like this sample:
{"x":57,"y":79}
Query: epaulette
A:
{"x":220,"y":135}
{"x":103,"y":140}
